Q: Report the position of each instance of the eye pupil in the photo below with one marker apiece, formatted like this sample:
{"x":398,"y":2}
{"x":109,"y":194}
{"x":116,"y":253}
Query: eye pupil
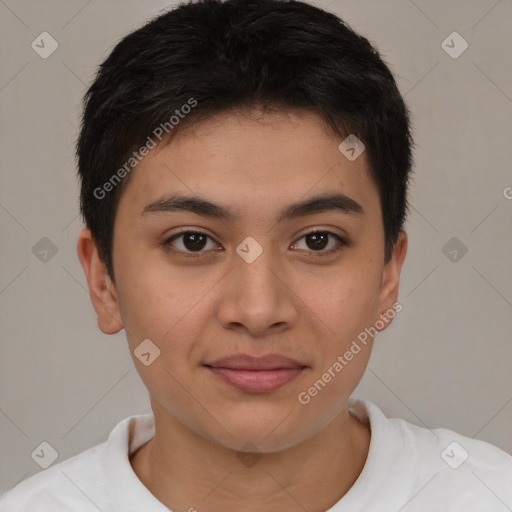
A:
{"x":317,"y":240}
{"x":194,"y":241}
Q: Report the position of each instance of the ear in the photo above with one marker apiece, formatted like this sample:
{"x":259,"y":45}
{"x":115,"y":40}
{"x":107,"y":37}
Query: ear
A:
{"x":388,"y":295}
{"x":101,"y":289}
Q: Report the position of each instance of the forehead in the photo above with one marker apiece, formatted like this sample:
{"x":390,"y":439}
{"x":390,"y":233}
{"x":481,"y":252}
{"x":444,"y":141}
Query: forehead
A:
{"x":251,"y":158}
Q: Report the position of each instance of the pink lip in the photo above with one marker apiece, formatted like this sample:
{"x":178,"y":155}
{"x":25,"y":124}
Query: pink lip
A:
{"x":256,"y":374}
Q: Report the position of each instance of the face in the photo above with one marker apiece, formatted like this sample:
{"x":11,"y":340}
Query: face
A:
{"x":251,"y":237}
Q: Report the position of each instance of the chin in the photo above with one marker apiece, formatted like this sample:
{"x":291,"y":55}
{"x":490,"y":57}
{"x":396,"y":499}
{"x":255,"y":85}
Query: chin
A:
{"x":265,"y":433}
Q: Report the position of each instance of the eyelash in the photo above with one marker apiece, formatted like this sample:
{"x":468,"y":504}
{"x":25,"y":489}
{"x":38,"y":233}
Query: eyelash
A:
{"x":167,"y":244}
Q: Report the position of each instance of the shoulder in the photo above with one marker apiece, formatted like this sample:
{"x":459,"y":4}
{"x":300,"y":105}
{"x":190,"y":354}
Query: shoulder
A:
{"x":473,"y":473}
{"x":89,"y":480}
{"x":420,"y":468}
{"x":66,"y":485}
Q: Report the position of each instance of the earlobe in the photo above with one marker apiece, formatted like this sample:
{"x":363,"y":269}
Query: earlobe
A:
{"x":101,"y":289}
{"x":388,"y":296}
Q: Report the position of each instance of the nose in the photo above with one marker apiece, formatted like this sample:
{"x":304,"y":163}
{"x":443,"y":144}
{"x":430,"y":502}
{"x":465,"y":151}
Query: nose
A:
{"x":256,"y":299}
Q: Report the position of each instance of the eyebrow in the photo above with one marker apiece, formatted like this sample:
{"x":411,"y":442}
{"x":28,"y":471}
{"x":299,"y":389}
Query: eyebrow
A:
{"x":318,"y":204}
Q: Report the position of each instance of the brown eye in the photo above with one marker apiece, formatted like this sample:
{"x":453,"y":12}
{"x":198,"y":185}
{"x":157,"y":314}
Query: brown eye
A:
{"x":317,"y":241}
{"x":323,"y":243}
{"x":194,"y":241}
{"x":190,"y":242}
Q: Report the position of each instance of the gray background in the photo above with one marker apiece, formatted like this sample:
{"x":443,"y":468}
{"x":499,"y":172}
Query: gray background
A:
{"x":445,"y":361}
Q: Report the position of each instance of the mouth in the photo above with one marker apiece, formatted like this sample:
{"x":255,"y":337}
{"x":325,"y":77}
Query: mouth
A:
{"x":256,"y":374}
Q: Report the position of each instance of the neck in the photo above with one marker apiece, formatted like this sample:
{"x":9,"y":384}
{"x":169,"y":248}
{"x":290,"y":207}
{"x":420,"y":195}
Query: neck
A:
{"x":186,"y":471}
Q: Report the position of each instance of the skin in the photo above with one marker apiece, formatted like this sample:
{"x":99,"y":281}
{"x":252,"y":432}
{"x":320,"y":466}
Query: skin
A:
{"x":288,"y":301}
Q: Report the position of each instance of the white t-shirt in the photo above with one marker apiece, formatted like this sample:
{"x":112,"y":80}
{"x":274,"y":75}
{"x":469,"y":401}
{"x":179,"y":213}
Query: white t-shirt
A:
{"x":408,"y":469}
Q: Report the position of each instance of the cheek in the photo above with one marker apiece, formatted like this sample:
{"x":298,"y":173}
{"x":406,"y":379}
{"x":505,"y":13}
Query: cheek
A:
{"x":326,"y":392}
{"x":151,"y":295}
{"x":172,"y":312}
{"x":344,"y":302}
{"x":171,"y":318}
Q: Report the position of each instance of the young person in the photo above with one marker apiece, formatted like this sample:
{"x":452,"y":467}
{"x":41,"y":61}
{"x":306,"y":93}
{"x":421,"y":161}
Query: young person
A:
{"x":244,"y":169}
